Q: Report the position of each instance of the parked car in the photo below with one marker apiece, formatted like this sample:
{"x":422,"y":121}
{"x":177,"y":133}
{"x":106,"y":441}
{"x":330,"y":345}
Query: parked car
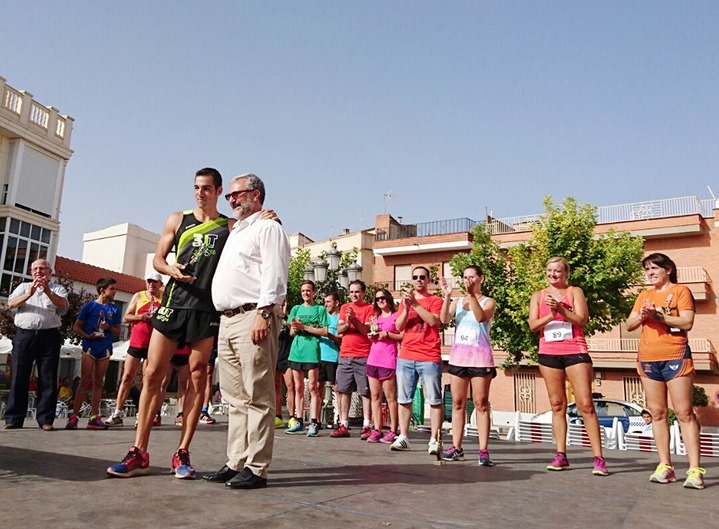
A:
{"x":607,"y":410}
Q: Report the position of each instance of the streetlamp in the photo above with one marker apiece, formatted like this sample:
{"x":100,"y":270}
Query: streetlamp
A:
{"x":309,"y":273}
{"x":320,"y":270}
{"x":344,"y":280}
{"x":333,"y":258}
{"x":354,"y":271}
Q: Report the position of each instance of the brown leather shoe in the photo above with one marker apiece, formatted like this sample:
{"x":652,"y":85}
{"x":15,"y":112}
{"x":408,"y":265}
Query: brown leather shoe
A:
{"x":11,"y":426}
{"x":47,"y":428}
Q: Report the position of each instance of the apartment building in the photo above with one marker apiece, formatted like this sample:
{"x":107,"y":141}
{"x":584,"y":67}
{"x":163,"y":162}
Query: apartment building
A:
{"x":346,"y":242}
{"x":684,"y":228}
{"x":34,"y":151}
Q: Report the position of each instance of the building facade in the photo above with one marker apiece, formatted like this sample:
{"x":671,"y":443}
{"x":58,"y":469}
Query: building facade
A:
{"x":684,"y":228}
{"x":34,"y":151}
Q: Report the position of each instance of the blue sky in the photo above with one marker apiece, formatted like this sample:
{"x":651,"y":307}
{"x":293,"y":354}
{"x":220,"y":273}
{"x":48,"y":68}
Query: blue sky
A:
{"x":457,"y":108}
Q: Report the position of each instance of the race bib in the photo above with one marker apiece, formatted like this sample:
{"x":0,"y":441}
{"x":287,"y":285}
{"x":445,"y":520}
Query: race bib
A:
{"x":557,"y":331}
{"x":469,"y":336}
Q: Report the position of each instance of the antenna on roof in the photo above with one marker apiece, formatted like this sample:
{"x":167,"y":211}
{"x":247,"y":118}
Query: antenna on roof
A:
{"x":716,"y":201}
{"x":387,"y":198}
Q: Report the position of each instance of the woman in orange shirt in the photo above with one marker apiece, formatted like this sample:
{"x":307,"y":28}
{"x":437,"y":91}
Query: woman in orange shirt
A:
{"x":665,"y":313}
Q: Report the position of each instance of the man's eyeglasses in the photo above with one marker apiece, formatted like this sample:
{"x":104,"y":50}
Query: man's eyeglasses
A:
{"x":236,"y":194}
{"x":422,"y":277}
{"x":380,"y":298}
{"x":40,"y":268}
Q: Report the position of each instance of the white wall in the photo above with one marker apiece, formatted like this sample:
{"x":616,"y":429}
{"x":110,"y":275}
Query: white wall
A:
{"x":125,"y":248}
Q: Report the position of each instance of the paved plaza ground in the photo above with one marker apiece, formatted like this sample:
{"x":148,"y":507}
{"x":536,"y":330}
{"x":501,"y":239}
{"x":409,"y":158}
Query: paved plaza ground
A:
{"x":58,"y":479}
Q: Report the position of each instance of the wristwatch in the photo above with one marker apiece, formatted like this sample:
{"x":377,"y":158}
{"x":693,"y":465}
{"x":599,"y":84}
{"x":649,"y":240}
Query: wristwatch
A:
{"x":265,"y":313}
{"x":659,"y":316}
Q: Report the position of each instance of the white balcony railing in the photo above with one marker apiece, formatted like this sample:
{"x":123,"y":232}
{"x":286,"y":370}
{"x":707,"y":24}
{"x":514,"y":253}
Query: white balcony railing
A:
{"x":395,"y":286}
{"x":12,"y":100}
{"x":653,"y":209}
{"x":697,"y":345}
{"x":60,"y":129}
{"x":19,"y":108}
{"x":692,"y":274}
{"x":631,"y":345}
{"x":39,"y":115}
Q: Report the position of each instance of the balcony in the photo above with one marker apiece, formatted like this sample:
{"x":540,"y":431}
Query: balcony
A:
{"x":617,"y":353}
{"x":21,"y":115}
{"x":652,"y":209}
{"x":696,"y":279}
{"x":396,"y":286}
{"x":426,"y":229}
{"x":621,"y":353}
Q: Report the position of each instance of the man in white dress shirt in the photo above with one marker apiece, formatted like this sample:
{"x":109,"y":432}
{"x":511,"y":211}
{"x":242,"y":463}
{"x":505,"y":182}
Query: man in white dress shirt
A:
{"x":38,"y":307}
{"x":248,"y":288}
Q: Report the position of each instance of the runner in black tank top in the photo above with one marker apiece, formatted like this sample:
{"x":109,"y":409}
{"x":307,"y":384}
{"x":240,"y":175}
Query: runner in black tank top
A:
{"x":193,"y":236}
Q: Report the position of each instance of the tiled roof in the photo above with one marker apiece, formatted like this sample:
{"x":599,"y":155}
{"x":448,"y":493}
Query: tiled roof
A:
{"x":86,"y":273}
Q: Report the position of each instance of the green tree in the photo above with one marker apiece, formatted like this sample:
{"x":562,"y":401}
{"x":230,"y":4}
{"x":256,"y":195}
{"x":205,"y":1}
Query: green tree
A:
{"x":296,"y":275}
{"x":605,"y":267}
{"x":75,"y":298}
{"x":699,"y":397}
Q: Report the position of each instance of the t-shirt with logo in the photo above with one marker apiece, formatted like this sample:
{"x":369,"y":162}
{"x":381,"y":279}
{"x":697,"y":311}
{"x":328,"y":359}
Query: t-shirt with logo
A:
{"x":421,"y":342}
{"x":93,"y":315}
{"x":660,"y":342}
{"x":306,"y":347}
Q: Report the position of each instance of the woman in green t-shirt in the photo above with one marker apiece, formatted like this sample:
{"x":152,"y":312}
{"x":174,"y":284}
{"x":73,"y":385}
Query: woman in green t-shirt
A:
{"x":307,"y":323}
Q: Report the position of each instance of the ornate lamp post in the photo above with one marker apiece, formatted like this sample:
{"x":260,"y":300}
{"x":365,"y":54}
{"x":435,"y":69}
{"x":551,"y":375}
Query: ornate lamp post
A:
{"x":354,"y":271}
{"x":333,"y":258}
{"x":308,"y":272}
{"x":320,"y":270}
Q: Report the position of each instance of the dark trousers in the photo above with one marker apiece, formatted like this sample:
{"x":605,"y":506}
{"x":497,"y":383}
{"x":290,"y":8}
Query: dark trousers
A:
{"x":43,"y":349}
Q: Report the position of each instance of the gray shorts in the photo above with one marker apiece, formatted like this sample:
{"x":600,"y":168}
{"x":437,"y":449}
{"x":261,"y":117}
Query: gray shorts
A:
{"x":352,"y":376}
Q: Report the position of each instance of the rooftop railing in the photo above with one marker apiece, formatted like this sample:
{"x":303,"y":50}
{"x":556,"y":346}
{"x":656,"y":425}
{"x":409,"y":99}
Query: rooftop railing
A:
{"x":652,"y":209}
{"x":20,"y":107}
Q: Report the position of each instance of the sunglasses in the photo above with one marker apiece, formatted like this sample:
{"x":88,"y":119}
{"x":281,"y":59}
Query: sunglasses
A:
{"x":235,"y":194}
{"x":380,"y":298}
{"x":422,"y":277}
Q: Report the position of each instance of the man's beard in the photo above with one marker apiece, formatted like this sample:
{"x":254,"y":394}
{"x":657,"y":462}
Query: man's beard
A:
{"x":239,"y":210}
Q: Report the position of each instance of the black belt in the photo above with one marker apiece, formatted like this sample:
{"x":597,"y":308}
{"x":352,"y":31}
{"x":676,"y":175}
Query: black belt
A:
{"x":39,"y":331}
{"x":247,"y":307}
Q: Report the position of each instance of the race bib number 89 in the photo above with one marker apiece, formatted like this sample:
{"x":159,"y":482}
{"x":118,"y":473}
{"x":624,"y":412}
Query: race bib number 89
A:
{"x":557,"y":331}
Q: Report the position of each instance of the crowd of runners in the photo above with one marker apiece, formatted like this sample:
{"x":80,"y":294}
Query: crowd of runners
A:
{"x":378,"y":348}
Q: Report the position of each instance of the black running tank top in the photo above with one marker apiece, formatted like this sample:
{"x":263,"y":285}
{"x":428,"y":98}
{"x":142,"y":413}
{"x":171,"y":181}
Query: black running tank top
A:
{"x":205,"y":240}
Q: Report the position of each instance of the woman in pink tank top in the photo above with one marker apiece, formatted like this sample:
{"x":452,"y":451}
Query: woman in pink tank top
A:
{"x":559,"y":312}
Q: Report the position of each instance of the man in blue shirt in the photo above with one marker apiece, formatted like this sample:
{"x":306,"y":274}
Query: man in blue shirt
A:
{"x":97,"y":323}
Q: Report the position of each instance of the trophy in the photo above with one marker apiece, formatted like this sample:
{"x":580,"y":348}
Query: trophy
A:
{"x":373,"y":326}
{"x":99,"y":332}
{"x":197,"y":255}
{"x":439,"y":461}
